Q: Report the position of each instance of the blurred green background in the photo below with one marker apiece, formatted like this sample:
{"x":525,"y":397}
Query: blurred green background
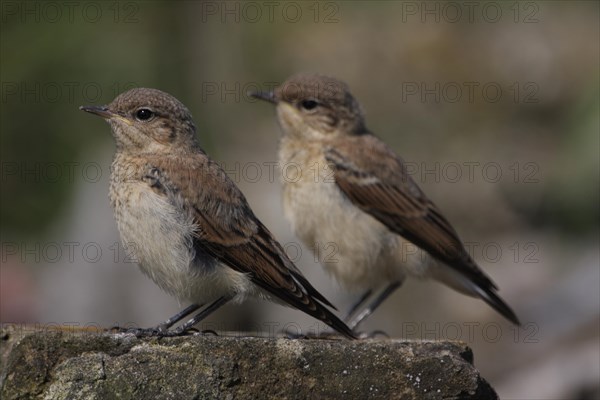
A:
{"x":494,"y":105}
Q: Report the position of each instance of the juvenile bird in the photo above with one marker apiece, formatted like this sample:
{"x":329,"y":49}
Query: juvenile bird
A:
{"x":355,"y":192}
{"x":187,"y":224}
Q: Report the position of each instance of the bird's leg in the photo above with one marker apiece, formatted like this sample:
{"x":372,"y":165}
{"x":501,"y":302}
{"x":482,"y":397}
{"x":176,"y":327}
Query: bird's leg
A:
{"x":160,"y":328}
{"x":374,"y":304}
{"x":200,"y":316}
{"x":177,"y":317}
{"x":358,"y":304}
{"x":353,"y":309}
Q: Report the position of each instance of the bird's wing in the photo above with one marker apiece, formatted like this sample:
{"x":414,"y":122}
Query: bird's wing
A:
{"x":229,"y":231}
{"x":375,"y":179}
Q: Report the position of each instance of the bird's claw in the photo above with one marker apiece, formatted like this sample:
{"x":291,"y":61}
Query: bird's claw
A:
{"x":311,"y":335}
{"x":372,"y":335}
{"x":157,"y":331}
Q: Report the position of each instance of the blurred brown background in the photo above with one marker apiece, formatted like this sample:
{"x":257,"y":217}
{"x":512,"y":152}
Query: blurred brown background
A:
{"x":494,"y":105}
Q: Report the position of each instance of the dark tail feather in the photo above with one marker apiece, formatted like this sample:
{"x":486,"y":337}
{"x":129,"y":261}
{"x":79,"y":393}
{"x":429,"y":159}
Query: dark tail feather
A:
{"x":309,"y":304}
{"x":490,"y":297}
{"x":330,"y":319}
{"x":471,"y":281}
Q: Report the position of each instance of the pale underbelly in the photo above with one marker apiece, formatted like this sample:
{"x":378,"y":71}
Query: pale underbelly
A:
{"x":362,"y":252}
{"x":160,"y":238}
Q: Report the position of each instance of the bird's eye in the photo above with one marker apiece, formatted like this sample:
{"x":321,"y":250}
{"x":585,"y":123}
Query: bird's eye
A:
{"x":143,"y":114}
{"x":309,"y":104}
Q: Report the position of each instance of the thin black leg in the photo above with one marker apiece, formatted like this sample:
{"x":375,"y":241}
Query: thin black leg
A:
{"x":202,"y":314}
{"x":374,"y":304}
{"x":177,"y":317}
{"x":160,"y":329}
{"x":358,"y":304}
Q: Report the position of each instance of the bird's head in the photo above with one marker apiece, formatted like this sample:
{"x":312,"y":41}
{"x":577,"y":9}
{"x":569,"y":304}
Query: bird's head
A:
{"x":147,"y":120}
{"x":311,"y":106}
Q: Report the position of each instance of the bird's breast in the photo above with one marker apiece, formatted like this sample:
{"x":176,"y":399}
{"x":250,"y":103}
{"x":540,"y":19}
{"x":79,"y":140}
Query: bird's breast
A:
{"x":353,"y":246}
{"x":158,"y":234}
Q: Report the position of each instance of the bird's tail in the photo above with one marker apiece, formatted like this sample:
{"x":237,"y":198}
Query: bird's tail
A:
{"x":496,"y":302}
{"x":322,"y":313}
{"x":484,"y":290}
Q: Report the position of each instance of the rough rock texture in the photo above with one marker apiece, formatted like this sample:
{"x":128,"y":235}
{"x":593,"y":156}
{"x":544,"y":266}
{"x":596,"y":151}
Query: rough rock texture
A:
{"x":75,"y":365}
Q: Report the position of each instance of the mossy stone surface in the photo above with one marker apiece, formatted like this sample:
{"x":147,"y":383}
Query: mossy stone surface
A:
{"x":37,"y":364}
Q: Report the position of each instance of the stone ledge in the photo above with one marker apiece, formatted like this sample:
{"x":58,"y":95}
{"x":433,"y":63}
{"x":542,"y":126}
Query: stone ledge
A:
{"x":78,"y":365}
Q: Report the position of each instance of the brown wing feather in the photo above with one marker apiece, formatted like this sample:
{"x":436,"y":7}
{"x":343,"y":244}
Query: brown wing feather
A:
{"x":230,"y":232}
{"x":375,"y":180}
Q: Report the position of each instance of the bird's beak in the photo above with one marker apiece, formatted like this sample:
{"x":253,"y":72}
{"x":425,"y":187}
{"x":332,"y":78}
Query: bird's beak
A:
{"x":106,"y":113}
{"x":266,"y":96}
{"x":101,"y":111}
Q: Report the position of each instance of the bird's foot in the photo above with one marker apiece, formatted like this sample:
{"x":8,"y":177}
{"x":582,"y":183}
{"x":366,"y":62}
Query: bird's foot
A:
{"x":156,"y":331}
{"x":140,"y":332}
{"x":181,"y":331}
{"x":161,"y":331}
{"x":310,"y":335}
{"x":372,"y":335}
{"x":122,"y":329}
{"x":293,"y":335}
